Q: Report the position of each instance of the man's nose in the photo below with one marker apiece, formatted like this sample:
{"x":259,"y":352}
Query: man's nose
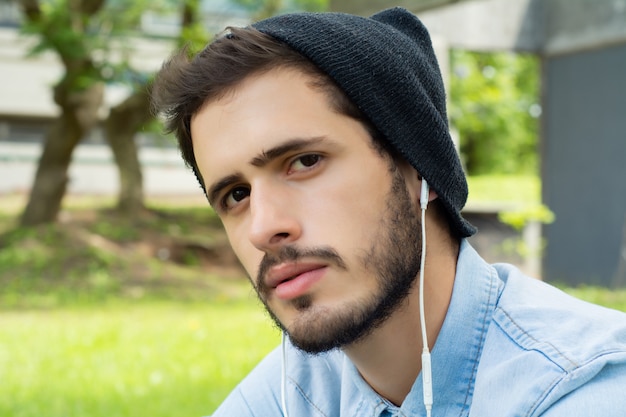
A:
{"x":274,"y":222}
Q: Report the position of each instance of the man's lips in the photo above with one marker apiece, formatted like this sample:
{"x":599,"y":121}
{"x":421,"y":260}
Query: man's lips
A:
{"x":291,"y":280}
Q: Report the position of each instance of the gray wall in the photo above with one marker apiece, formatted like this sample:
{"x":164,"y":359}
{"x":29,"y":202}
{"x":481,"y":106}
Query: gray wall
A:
{"x":584,"y":165}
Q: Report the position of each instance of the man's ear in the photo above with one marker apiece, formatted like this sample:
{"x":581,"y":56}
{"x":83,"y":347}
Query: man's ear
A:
{"x":413,"y":181}
{"x":432,"y":194}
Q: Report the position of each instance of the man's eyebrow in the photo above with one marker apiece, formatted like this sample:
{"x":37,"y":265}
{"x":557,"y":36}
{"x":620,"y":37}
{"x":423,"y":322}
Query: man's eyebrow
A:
{"x":216,"y":188}
{"x":293,"y":145}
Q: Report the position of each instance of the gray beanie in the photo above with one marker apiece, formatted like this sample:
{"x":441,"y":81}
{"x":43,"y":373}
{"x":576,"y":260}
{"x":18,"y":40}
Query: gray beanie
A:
{"x":386,"y":65}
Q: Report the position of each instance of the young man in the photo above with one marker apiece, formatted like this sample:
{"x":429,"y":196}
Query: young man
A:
{"x":313,"y":136}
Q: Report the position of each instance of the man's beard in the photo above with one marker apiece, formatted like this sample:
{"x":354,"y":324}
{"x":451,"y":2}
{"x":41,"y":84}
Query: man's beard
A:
{"x":394,"y":257}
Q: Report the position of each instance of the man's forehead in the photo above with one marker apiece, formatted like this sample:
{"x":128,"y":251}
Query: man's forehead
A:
{"x":263,"y":117}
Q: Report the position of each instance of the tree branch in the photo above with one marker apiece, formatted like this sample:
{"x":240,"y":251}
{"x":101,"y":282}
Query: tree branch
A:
{"x":31,"y":9}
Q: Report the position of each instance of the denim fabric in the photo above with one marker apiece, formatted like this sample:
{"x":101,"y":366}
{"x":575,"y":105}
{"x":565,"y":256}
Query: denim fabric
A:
{"x":509,"y":346}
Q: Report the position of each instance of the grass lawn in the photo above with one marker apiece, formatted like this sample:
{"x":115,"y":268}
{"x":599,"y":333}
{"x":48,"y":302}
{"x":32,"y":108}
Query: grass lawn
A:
{"x":504,"y":189}
{"x":152,"y":359}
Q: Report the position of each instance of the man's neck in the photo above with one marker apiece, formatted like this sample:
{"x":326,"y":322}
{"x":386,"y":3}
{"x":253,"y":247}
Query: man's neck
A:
{"x":389,"y":359}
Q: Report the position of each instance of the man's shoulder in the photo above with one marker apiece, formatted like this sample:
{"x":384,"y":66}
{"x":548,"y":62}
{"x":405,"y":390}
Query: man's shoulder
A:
{"x":547,"y":350}
{"x":259,"y":394}
{"x":568,"y":330}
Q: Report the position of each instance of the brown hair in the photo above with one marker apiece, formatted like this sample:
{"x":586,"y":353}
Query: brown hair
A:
{"x":184,"y":85}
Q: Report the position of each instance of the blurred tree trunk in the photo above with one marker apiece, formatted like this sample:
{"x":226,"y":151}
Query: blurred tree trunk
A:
{"x":127,"y":118}
{"x":124,"y":121}
{"x":65,"y":29}
{"x":79,"y":95}
{"x":79,"y":113}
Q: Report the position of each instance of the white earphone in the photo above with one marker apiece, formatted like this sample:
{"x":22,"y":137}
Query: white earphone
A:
{"x":427,"y":378}
{"x":283,"y":375}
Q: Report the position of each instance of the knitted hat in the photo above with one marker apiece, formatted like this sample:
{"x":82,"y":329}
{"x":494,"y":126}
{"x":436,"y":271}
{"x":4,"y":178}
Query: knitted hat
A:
{"x":387,"y":67}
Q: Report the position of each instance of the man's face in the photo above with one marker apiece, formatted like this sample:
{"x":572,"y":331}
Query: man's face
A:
{"x":321,"y":221}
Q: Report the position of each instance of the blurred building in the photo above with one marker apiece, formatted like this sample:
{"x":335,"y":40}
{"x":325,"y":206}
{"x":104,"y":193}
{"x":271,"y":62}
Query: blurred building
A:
{"x":27,"y":108}
{"x":26,"y":104}
{"x":582,"y":47}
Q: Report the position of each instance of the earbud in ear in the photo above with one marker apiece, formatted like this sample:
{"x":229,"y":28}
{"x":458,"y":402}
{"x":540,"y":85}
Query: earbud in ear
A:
{"x":424,"y":194}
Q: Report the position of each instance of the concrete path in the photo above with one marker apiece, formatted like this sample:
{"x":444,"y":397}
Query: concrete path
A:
{"x":93,"y":172}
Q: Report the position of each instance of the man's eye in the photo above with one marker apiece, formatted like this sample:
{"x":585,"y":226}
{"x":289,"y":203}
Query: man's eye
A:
{"x":305,"y":161}
{"x":235,"y":196}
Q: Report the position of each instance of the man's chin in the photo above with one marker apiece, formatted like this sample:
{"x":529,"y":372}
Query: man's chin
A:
{"x":311,"y":344}
{"x":320,"y":329}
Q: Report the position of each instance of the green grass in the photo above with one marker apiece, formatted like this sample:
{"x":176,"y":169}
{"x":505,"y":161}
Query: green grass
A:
{"x":613,"y":298}
{"x":153,"y":359}
{"x":517,"y":199}
{"x":504,"y":189}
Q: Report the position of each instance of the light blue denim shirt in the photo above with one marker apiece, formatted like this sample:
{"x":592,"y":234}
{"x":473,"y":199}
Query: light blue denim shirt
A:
{"x":510,"y":346}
